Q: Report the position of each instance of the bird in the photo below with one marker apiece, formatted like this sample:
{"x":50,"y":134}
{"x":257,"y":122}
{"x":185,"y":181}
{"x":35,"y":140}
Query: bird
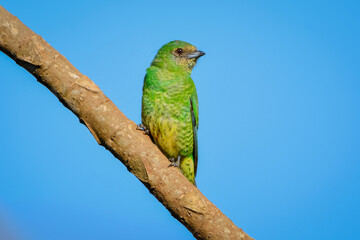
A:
{"x":170,"y":110}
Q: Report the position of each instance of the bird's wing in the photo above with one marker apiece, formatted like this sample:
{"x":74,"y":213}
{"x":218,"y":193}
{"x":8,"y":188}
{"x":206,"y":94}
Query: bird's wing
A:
{"x":194,"y":109}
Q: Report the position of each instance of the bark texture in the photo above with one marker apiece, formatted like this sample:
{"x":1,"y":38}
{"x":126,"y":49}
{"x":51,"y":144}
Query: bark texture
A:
{"x":113,"y":130}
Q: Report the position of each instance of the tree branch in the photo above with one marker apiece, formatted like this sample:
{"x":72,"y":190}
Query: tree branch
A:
{"x":113,"y":130}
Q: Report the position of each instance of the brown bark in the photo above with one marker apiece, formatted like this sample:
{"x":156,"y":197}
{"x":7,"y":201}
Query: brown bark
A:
{"x":113,"y":130}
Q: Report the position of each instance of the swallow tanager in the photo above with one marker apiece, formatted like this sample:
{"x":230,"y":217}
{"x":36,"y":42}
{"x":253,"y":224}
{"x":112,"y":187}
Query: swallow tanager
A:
{"x":170,"y":111}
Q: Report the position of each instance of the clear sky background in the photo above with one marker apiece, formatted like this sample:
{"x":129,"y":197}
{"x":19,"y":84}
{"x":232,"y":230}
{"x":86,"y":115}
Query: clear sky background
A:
{"x":279,"y":94}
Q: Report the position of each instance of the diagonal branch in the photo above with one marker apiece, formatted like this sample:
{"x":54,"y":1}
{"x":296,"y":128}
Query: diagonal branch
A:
{"x":113,"y":130}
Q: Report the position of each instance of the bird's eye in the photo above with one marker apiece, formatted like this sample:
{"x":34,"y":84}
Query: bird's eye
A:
{"x":179,"y":51}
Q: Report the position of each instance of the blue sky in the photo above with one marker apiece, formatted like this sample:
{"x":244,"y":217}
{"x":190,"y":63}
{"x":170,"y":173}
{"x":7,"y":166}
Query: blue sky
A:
{"x":279,"y":94}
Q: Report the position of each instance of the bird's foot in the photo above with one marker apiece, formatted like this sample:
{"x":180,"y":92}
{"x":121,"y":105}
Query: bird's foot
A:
{"x":175,"y":162}
{"x":143,"y":128}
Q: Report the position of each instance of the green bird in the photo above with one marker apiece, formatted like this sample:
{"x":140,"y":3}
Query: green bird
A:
{"x":170,"y":111}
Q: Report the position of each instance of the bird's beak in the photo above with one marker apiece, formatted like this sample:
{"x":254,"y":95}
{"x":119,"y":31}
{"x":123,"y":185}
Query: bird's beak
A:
{"x":195,"y":54}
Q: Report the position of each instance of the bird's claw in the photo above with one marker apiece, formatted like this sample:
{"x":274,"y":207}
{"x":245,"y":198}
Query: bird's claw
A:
{"x":174,"y":162}
{"x":143,"y":128}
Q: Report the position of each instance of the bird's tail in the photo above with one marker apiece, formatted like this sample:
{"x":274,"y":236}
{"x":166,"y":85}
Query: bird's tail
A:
{"x":187,"y":167}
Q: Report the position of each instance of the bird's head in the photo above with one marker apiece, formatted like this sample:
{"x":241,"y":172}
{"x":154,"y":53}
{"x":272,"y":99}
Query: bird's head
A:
{"x":177,"y":55}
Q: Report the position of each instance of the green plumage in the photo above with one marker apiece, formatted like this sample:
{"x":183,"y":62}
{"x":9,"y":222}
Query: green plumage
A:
{"x":170,"y":104}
